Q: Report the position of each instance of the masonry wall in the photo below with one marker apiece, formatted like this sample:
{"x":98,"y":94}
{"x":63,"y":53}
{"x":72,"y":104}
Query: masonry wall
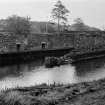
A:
{"x":78,"y":40}
{"x":89,"y":40}
{"x":52,"y":40}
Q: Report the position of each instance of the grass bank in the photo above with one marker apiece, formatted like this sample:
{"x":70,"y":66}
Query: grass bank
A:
{"x":86,"y":93}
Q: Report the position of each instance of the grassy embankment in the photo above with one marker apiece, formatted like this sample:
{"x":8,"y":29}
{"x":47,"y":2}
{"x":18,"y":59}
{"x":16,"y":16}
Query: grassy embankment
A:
{"x":86,"y":93}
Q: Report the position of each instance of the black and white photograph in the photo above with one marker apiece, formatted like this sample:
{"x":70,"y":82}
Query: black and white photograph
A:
{"x":52,"y":52}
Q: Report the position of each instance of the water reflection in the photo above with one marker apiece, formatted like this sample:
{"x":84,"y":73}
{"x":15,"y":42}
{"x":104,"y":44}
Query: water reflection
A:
{"x":19,"y":69}
{"x":35,"y":73}
{"x":90,"y":70}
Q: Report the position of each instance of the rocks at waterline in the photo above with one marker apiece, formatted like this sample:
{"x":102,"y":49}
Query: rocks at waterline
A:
{"x":51,"y":62}
{"x":56,"y":61}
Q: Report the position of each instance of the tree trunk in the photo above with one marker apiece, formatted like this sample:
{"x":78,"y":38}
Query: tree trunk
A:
{"x":58,"y":25}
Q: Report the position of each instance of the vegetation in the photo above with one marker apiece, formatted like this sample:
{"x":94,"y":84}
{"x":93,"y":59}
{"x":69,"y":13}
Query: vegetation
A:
{"x":60,"y":13}
{"x":40,"y":27}
{"x":86,"y":93}
{"x":79,"y":25}
{"x":18,"y":25}
{"x":51,"y":62}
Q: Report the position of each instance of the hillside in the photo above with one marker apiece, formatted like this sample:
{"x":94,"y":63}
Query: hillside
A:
{"x":82,"y":27}
{"x":43,"y":27}
{"x":38,"y":27}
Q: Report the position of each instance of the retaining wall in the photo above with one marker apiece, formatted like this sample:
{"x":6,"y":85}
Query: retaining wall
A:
{"x":78,"y":40}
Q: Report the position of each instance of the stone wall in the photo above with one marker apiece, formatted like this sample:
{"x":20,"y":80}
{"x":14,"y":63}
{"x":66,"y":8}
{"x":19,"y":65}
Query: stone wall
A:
{"x":8,"y":42}
{"x":89,"y":40}
{"x":78,"y":40}
{"x":52,"y":40}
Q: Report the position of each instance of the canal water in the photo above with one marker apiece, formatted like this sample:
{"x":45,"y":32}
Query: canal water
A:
{"x":34,"y":73}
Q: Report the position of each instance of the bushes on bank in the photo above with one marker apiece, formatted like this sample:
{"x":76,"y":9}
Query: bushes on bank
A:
{"x":56,"y":61}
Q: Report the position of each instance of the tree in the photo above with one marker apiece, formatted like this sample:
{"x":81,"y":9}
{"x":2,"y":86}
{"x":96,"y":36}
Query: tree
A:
{"x":79,"y":25}
{"x":18,"y":25}
{"x":60,"y":13}
{"x":79,"y":21}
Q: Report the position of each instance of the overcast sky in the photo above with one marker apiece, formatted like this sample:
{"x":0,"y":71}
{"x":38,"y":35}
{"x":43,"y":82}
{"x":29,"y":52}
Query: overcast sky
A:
{"x":91,"y":11}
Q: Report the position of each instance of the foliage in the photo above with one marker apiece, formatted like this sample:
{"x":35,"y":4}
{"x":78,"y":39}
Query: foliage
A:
{"x":79,"y":25}
{"x":60,"y":13}
{"x":18,"y":25}
{"x":78,"y":21}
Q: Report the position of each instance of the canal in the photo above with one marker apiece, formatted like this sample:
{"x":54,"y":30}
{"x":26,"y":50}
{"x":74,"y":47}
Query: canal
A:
{"x":34,"y":73}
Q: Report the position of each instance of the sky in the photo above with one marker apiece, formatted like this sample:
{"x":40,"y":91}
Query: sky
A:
{"x":90,"y":11}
